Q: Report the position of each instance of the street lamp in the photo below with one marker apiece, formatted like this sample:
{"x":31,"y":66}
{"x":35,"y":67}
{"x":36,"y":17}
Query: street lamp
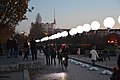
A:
{"x":109,"y":22}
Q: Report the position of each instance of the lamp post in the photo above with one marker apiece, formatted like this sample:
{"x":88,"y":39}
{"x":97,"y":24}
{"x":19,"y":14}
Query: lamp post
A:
{"x":73,"y":32}
{"x":109,"y":22}
{"x":86,"y":28}
{"x":64,"y":34}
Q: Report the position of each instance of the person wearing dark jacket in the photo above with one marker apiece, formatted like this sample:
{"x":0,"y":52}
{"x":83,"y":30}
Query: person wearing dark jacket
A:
{"x":33,"y":49}
{"x":65,"y":52}
{"x":9,"y":46}
{"x":106,"y":55}
{"x":53,"y":55}
{"x":26,"y":50}
{"x":46,"y":51}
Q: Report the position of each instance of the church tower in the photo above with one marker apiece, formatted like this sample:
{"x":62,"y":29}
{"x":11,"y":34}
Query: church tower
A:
{"x":54,"y":18}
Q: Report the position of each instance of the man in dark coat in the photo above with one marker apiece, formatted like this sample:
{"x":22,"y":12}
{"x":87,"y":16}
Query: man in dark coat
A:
{"x":33,"y":49}
{"x":53,"y":55}
{"x":47,"y":53}
{"x":26,"y":50}
{"x":9,"y":46}
{"x":65,"y":52}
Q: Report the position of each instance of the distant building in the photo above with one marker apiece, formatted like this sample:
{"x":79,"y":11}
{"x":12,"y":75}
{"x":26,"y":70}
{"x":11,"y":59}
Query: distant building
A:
{"x":39,"y":29}
{"x":48,"y":28}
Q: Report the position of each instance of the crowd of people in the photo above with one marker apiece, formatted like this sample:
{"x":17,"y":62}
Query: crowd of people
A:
{"x":15,"y":49}
{"x":52,"y":53}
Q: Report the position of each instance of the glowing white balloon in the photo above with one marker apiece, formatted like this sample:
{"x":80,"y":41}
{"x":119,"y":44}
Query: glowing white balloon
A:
{"x":95,"y":25}
{"x":86,"y":27}
{"x":37,"y":40}
{"x":59,"y":35}
{"x":109,"y":22}
{"x":46,"y":38}
{"x":79,"y":29}
{"x":64,"y":33}
{"x":73,"y":31}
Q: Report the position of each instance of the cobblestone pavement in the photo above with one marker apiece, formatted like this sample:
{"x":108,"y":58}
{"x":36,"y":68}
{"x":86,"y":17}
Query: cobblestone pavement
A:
{"x":74,"y":72}
{"x":11,"y":76}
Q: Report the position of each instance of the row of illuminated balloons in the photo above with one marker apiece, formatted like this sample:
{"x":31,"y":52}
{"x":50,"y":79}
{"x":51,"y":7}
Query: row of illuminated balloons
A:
{"x":108,"y":22}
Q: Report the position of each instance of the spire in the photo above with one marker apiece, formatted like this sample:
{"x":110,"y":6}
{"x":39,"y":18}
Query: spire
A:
{"x":54,"y":17}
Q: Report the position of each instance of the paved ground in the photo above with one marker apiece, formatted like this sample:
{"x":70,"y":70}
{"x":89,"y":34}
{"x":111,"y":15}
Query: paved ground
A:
{"x":110,"y":64}
{"x":74,"y":72}
{"x":13,"y":75}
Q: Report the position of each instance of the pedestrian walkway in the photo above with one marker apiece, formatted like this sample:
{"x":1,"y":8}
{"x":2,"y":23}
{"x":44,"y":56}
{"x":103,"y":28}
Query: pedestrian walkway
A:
{"x":14,"y":68}
{"x":73,"y":72}
{"x":105,"y":64}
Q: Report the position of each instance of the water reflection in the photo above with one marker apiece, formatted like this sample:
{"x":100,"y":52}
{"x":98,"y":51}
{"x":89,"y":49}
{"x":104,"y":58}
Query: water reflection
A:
{"x":55,"y":76}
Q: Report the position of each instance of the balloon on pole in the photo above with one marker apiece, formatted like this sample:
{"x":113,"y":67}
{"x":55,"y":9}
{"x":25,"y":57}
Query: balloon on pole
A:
{"x":109,"y":22}
{"x":73,"y":31}
{"x":86,"y":27}
{"x":79,"y":29}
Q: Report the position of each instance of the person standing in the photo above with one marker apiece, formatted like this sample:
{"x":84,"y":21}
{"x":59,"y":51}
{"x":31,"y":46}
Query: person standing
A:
{"x":16,"y":48}
{"x":78,"y":51}
{"x":94,"y":56}
{"x":106,"y":54}
{"x":26,"y":50}
{"x":53,"y":56}
{"x":65,"y":52}
{"x":9,"y":46}
{"x":46,"y":51}
{"x":59,"y":56}
{"x":33,"y":49}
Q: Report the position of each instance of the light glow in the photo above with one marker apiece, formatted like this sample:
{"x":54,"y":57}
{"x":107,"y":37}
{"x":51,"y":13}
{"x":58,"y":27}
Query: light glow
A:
{"x":109,"y":22}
